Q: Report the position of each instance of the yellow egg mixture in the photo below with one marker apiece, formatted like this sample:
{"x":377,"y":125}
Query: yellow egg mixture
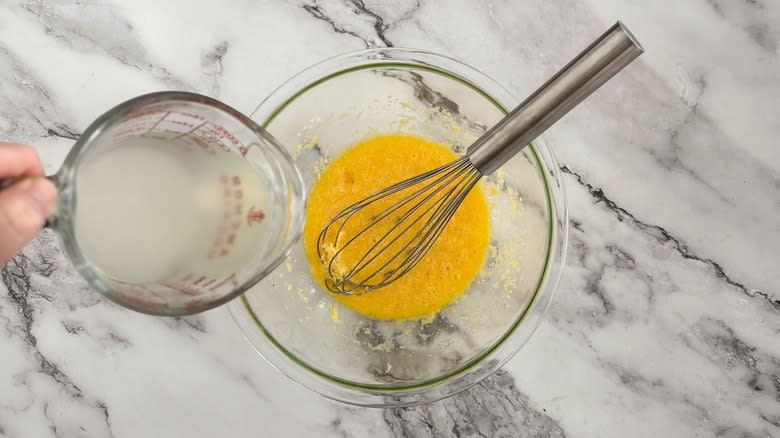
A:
{"x":450,"y":264}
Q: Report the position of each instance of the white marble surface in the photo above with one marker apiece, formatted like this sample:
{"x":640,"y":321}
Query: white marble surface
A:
{"x":667,"y":319}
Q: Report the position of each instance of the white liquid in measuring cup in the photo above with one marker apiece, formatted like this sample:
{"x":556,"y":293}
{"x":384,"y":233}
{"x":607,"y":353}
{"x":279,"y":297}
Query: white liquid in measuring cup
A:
{"x":150,"y":211}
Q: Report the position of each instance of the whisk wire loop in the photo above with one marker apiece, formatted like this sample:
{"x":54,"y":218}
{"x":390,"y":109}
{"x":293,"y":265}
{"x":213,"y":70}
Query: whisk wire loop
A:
{"x":434,"y":202}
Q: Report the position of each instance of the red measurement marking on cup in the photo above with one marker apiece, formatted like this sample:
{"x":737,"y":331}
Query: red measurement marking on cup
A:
{"x":195,"y":288}
{"x":189,"y":132}
{"x":181,"y":128}
{"x":167,"y":113}
{"x":140,"y":296}
{"x":183,"y":288}
{"x":254,"y":216}
{"x":193,"y":140}
{"x":196,"y":304}
{"x":215,"y":135}
{"x":222,"y":283}
{"x":232,"y":210}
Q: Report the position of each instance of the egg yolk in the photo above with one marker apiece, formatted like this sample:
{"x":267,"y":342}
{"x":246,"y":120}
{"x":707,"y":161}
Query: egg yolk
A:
{"x":442,"y":274}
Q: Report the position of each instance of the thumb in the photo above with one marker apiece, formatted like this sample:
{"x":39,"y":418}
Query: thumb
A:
{"x":23,"y":209}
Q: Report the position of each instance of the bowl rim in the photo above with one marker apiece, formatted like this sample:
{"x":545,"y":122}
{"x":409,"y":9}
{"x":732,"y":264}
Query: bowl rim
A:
{"x":488,"y":361}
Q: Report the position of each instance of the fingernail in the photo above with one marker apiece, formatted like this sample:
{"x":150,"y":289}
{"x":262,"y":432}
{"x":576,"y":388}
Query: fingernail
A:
{"x":40,"y":193}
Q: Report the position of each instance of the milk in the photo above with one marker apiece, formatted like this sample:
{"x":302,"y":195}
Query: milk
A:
{"x":149,"y":210}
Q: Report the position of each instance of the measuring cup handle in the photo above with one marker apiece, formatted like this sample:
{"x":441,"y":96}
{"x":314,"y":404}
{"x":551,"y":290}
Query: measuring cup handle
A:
{"x":7,"y":182}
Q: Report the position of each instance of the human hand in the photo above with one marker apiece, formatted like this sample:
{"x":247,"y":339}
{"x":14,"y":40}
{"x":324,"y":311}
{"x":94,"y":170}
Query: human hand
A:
{"x":24,"y":204}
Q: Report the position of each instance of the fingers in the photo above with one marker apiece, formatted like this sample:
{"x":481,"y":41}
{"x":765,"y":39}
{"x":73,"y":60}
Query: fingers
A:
{"x":19,"y":160}
{"x":23,"y":209}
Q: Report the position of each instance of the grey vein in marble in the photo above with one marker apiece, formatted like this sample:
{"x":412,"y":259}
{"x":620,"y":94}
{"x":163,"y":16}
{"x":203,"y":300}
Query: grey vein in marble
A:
{"x":99,"y":29}
{"x":370,"y":27}
{"x":493,"y":408}
{"x":664,"y":237}
{"x":27,"y":112}
{"x":17,"y":277}
{"x":212,"y":66}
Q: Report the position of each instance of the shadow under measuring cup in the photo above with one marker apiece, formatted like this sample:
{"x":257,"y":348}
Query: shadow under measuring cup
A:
{"x":173,"y":203}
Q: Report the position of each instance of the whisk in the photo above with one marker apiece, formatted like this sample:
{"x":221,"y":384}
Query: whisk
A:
{"x":426,"y":202}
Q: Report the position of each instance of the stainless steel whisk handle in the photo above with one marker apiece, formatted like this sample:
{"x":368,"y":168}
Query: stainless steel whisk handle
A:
{"x":594,"y":66}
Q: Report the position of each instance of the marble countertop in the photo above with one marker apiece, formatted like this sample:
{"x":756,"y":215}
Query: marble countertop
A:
{"x":667,"y":319}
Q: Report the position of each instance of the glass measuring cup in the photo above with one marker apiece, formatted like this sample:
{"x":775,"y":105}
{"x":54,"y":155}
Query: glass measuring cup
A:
{"x":173,"y":203}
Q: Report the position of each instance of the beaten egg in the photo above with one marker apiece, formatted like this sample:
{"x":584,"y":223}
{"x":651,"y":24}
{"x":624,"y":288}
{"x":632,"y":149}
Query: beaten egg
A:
{"x":450,"y":264}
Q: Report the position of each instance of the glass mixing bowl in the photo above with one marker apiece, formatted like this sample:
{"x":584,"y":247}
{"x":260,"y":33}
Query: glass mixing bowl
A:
{"x":307,"y":335}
